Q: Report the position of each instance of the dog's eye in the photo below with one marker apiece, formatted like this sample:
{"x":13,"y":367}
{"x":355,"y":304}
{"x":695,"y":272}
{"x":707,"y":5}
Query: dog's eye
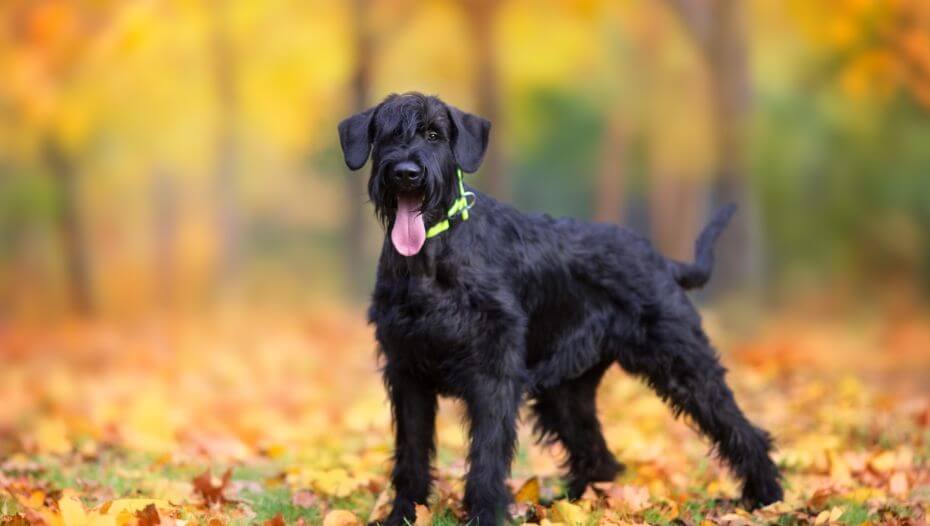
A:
{"x":432,"y":136}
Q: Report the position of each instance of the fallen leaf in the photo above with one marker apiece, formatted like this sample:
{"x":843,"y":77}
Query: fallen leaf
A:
{"x":570,"y":514}
{"x":72,"y":512}
{"x":898,"y":484}
{"x":277,"y":520}
{"x":340,"y":518}
{"x":424,"y":516}
{"x":883,"y":462}
{"x":211,"y":489}
{"x":839,"y":470}
{"x":628,"y":497}
{"x":132,"y":506}
{"x":381,"y":507}
{"x":528,"y":492}
{"x":14,"y":520}
{"x":734,"y":519}
{"x":148,"y":516}
{"x":51,"y":436}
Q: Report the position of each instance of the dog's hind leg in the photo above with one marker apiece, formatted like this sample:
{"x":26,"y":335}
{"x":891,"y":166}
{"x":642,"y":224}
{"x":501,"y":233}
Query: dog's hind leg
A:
{"x":568,"y":413}
{"x":677,"y":360}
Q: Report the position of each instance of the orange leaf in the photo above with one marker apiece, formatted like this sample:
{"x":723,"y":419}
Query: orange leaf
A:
{"x":211,"y":489}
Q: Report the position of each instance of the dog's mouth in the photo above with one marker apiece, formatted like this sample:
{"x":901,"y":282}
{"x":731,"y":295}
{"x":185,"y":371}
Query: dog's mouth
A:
{"x":409,"y":233}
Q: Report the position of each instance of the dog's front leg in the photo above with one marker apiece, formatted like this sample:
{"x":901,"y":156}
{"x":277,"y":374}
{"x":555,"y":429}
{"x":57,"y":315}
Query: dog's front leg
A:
{"x":492,"y":403}
{"x":414,"y":409}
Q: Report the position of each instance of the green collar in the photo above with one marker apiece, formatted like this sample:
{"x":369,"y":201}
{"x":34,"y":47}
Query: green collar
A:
{"x":460,"y":206}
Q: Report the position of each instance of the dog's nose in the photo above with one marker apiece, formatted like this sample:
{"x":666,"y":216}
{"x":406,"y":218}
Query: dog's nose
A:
{"x":407,"y":172}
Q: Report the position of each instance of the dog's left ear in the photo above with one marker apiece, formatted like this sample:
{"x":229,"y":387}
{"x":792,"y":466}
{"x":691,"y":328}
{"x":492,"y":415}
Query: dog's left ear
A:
{"x":471,"y":138}
{"x":355,"y":138}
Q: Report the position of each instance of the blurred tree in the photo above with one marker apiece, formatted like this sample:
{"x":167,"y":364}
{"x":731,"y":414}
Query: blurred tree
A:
{"x":226,"y":161}
{"x":356,"y":260}
{"x":877,"y":48}
{"x":48,"y":39}
{"x":61,"y":167}
{"x":165,"y":211}
{"x":481,"y":18}
{"x":611,"y":171}
{"x":718,"y":29}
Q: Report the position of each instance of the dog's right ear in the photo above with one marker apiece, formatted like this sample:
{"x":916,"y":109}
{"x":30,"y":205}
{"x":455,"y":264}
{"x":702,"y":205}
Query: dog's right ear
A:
{"x":355,"y":138}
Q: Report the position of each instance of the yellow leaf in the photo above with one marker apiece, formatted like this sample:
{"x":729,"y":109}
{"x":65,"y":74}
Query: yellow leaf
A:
{"x":836,"y":513}
{"x":72,"y":512}
{"x":340,"y":518}
{"x":569,"y":513}
{"x":114,"y":508}
{"x":424,"y":516}
{"x":335,"y":482}
{"x":35,"y":500}
{"x":883,"y":462}
{"x":860,"y":495}
{"x":528,"y":492}
{"x":52,"y":436}
{"x":822,"y":517}
{"x":96,"y":519}
{"x":839,"y":470}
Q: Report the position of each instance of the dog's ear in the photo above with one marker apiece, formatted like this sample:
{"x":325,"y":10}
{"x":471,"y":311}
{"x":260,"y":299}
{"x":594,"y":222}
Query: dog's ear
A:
{"x":355,"y":138}
{"x":470,"y":139}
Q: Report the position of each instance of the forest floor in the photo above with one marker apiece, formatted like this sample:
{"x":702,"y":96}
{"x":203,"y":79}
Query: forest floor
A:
{"x":271,"y":420}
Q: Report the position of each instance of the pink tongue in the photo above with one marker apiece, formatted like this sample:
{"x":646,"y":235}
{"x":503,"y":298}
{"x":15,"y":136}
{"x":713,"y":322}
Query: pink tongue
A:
{"x":408,"y":234}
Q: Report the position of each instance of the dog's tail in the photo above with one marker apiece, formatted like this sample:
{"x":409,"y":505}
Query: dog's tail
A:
{"x":696,"y":275}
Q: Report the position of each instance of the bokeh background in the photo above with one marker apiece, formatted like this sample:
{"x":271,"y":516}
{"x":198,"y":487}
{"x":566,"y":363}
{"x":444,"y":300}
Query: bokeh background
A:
{"x":185,"y":259}
{"x":158,"y":154}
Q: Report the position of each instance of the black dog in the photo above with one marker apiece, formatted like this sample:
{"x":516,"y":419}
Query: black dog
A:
{"x":488,"y":304}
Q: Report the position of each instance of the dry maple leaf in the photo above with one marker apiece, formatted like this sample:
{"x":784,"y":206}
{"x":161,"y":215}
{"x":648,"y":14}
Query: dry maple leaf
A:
{"x":211,"y":489}
{"x":148,"y":516}
{"x":277,"y":520}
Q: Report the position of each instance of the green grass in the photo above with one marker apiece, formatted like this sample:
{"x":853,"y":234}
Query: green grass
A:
{"x":273,"y":501}
{"x":855,"y":514}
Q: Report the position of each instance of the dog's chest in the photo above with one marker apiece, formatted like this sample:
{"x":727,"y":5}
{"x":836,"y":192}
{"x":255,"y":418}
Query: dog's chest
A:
{"x":426,"y":330}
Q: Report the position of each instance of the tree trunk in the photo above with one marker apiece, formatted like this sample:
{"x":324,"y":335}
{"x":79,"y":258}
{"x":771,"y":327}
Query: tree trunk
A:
{"x":739,"y":257}
{"x":480,"y":15}
{"x":71,"y":229}
{"x":356,"y":260}
{"x":608,"y":199}
{"x":718,"y":29}
{"x":164,"y":194}
{"x":227,"y":149}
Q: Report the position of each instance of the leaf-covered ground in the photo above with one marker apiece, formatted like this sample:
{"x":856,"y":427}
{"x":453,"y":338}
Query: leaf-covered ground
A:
{"x":271,"y":420}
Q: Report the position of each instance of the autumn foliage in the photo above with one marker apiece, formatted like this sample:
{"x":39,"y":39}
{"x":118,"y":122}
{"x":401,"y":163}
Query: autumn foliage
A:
{"x":283,"y":420}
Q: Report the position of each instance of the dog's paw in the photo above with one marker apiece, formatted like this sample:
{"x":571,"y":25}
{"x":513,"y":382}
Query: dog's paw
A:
{"x":759,"y":493}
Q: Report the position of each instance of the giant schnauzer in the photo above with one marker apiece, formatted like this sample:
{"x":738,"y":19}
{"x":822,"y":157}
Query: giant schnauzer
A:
{"x":479,"y":301}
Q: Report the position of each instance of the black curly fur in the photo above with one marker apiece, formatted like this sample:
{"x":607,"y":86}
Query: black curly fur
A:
{"x":508,"y":305}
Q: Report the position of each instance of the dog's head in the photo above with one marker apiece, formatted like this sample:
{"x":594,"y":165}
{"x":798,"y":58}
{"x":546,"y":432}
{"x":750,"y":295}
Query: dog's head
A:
{"x":416,"y":143}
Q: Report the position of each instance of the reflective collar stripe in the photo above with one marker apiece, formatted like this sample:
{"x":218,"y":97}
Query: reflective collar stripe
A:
{"x":460,"y":206}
